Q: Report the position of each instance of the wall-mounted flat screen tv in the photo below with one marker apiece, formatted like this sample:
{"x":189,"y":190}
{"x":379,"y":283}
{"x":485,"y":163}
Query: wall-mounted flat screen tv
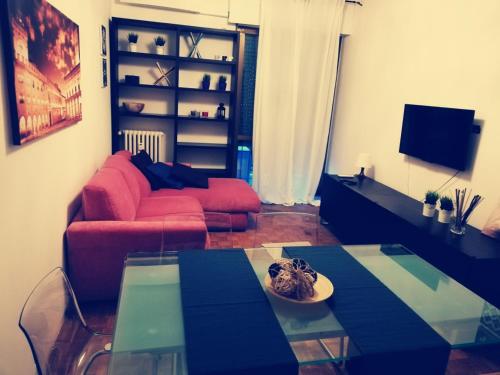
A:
{"x":437,"y":135}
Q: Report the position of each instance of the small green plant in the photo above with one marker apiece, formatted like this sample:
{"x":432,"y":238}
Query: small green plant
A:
{"x":431,"y":197}
{"x":133,"y":38}
{"x":446,"y":203}
{"x":159,"y":41}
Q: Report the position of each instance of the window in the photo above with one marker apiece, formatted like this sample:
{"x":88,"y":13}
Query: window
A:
{"x":246,"y":77}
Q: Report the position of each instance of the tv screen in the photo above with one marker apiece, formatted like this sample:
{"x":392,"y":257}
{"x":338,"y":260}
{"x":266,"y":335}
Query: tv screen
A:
{"x":437,"y":135}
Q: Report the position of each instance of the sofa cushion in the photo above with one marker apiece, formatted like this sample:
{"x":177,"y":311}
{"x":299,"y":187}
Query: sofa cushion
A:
{"x":107,"y":197}
{"x":128,"y":172}
{"x":189,"y":176}
{"x":164,"y":173}
{"x":144,"y":184}
{"x":222,"y":195}
{"x":157,"y":208}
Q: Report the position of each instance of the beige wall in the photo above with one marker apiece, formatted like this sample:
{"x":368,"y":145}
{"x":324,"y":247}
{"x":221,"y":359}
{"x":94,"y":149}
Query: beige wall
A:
{"x":40,"y":180}
{"x":217,"y":14}
{"x":440,"y":53}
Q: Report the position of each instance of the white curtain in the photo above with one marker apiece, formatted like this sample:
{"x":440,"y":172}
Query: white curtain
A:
{"x":296,"y":72}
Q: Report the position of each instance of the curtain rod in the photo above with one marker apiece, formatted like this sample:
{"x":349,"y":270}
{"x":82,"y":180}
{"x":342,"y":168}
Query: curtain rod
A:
{"x":354,"y":2}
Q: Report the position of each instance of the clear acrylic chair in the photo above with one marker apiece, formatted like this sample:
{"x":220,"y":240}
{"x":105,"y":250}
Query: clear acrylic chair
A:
{"x":278,"y":229}
{"x":221,"y":230}
{"x":59,"y":338}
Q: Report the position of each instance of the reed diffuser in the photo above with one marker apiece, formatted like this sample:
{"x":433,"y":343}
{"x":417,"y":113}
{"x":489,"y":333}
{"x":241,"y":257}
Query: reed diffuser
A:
{"x":464,"y":208}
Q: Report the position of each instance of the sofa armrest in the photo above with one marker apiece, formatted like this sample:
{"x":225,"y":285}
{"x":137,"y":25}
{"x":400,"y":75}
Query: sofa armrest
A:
{"x":97,"y":249}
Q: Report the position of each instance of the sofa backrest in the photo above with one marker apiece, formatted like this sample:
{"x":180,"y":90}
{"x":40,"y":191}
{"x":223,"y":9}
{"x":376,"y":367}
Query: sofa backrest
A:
{"x":130,"y":171}
{"x":107,"y":197}
{"x":126,"y":169}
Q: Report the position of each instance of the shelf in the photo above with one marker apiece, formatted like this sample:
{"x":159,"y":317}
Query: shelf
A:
{"x":208,"y":167}
{"x":213,"y":171}
{"x":171,"y":117}
{"x":207,"y":119}
{"x":147,"y":115}
{"x":192,"y":89}
{"x":146,"y":55}
{"x":244,"y":137}
{"x":140,"y":85}
{"x":201,"y":144}
{"x":181,"y":89}
{"x":205,"y":61}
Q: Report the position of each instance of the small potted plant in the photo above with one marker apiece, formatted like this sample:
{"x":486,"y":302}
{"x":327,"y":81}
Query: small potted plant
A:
{"x":205,"y":83}
{"x":446,"y":207}
{"x":222,"y":83}
{"x":431,"y":198}
{"x":160,"y":45}
{"x":132,"y":42}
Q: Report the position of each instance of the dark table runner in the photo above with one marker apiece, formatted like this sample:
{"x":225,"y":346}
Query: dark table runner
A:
{"x":390,"y":337}
{"x":229,"y":325}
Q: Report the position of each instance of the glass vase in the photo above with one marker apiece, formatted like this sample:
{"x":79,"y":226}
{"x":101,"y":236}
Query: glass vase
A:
{"x":457,"y":228}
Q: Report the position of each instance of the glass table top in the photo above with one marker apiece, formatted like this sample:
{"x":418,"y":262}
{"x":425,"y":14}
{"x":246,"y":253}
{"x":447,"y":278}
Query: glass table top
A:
{"x":149,"y":331}
{"x":460,"y":316}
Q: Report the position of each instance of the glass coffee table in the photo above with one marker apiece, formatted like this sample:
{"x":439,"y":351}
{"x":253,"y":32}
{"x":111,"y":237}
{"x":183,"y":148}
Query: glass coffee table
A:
{"x":149,"y":331}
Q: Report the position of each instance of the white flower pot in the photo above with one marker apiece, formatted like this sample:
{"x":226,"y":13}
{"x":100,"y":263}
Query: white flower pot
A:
{"x":132,"y":47}
{"x":444,"y":216}
{"x":160,"y":50}
{"x":429,"y":210}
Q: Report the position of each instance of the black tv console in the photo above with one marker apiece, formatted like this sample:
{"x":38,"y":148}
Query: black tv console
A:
{"x":368,"y":212}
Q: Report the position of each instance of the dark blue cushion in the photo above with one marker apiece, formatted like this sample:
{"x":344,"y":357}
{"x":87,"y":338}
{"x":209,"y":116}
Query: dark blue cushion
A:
{"x":164,"y":173}
{"x":142,"y":161}
{"x":189,"y":176}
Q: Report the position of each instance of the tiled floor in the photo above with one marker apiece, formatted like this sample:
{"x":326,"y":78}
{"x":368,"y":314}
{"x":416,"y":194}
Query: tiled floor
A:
{"x":470,"y":362}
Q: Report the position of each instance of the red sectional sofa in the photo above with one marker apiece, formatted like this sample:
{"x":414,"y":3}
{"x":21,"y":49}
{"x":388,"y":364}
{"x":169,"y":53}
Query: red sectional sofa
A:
{"x":120,"y":214}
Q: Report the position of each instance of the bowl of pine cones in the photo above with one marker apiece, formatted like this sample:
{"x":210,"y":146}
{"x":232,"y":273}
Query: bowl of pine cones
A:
{"x":294,"y":280}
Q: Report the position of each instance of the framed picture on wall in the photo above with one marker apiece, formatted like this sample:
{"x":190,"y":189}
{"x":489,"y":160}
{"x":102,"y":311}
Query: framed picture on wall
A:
{"x":42,"y":56}
{"x":104,"y":73}
{"x":103,"y":40}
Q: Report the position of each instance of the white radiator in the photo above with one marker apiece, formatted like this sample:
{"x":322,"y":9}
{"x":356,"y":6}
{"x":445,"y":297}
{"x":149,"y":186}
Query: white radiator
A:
{"x":153,"y":142}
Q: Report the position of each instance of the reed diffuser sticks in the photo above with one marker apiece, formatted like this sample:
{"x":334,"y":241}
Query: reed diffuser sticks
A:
{"x":464,"y":208}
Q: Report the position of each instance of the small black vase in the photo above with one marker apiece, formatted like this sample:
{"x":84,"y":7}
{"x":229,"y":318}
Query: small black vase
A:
{"x":205,"y":85}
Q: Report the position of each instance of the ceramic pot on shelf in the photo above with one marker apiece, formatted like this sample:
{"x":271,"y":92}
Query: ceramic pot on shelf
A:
{"x":428,"y":210}
{"x":132,"y":47}
{"x":160,"y":50}
{"x":444,"y":216}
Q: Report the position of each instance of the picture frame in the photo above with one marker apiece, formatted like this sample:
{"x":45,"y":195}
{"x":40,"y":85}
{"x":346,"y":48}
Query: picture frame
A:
{"x":104,"y":72}
{"x":103,"y":41}
{"x":42,"y":57}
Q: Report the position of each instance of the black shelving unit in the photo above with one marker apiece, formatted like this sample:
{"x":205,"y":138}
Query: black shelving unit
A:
{"x":193,"y":89}
{"x":202,"y":119}
{"x":177,"y":94}
{"x":142,"y":55}
{"x":123,"y":84}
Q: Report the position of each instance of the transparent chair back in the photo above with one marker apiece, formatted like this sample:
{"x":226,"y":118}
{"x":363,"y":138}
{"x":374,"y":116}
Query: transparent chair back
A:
{"x":221,"y":230}
{"x":59,"y":338}
{"x":278,"y":229}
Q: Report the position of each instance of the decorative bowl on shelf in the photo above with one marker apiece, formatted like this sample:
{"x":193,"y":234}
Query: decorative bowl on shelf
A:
{"x":134,"y":107}
{"x":295,"y":281}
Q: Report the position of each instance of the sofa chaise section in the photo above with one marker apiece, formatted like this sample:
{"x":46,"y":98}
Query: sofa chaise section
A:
{"x":224,"y":195}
